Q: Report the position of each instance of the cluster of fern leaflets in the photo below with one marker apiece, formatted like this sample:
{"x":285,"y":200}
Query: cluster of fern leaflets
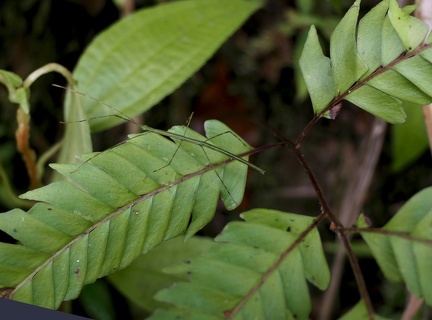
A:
{"x":115,"y":205}
{"x":377,"y":65}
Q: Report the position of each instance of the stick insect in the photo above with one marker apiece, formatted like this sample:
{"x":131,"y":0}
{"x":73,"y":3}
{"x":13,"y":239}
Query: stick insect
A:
{"x":172,"y":135}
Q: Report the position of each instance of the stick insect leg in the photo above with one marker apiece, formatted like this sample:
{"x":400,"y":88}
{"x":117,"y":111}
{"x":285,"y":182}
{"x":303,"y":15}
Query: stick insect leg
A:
{"x":220,"y":178}
{"x":148,"y":129}
{"x":188,"y":121}
{"x":116,"y":145}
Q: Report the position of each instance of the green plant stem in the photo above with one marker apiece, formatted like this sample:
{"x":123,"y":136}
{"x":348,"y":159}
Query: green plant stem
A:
{"x":50,"y":67}
{"x":22,"y":133}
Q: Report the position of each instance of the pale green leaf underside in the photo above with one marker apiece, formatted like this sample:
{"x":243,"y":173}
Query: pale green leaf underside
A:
{"x":144,"y":57}
{"x":402,"y":259}
{"x":371,"y":71}
{"x":146,"y":271}
{"x":248,"y":270}
{"x":115,"y":206}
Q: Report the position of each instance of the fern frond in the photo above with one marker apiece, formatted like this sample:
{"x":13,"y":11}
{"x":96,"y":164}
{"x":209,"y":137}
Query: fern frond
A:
{"x":257,"y":269}
{"x":115,"y":206}
{"x":378,"y":66}
{"x":403,"y":247}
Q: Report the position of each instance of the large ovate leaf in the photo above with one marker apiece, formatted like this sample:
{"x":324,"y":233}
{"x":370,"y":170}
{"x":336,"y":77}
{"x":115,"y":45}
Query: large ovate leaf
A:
{"x":403,"y":249}
{"x":116,"y":205}
{"x":144,"y":57}
{"x":257,"y":269}
{"x":386,"y":66}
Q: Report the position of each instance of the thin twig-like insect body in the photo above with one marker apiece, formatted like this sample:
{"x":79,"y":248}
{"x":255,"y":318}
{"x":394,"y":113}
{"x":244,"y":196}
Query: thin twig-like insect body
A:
{"x":202,"y":143}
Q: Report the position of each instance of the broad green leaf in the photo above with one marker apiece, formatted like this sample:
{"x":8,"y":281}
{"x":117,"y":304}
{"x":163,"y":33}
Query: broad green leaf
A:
{"x":144,"y":57}
{"x":409,"y":139}
{"x":141,"y":280}
{"x":113,"y":207}
{"x":254,"y":270}
{"x":375,"y":72}
{"x":406,"y":257}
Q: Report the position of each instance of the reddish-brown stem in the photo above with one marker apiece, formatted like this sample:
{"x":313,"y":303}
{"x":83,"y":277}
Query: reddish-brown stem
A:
{"x":338,"y":227}
{"x":336,"y":224}
{"x":22,"y":135}
{"x":357,"y":274}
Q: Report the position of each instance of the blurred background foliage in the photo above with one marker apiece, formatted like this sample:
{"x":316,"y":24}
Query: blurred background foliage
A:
{"x":253,"y":84}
